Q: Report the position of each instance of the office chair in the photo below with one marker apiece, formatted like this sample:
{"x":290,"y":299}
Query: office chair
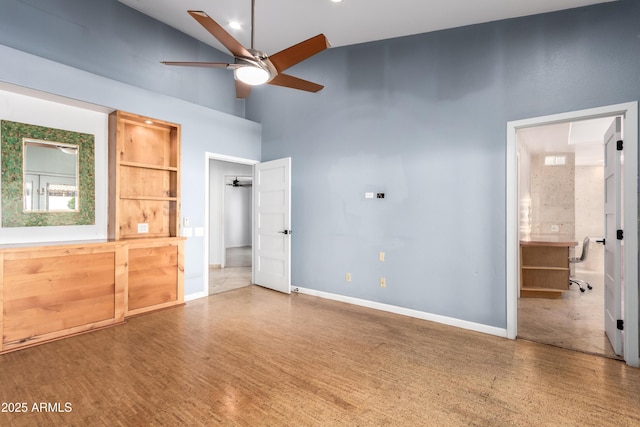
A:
{"x":573,"y":260}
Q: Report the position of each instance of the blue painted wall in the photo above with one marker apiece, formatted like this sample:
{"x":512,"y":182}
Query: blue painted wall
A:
{"x":112,"y":40}
{"x":107,"y":54}
{"x":423,"y":119}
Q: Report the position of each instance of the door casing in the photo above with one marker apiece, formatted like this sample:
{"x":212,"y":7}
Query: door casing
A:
{"x":630,"y":214}
{"x":207,"y":157}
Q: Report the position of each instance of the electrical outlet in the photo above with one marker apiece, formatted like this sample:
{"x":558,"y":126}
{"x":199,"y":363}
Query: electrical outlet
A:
{"x":383,"y":282}
{"x":143,"y":227}
{"x":347,"y":277}
{"x":381,"y":257}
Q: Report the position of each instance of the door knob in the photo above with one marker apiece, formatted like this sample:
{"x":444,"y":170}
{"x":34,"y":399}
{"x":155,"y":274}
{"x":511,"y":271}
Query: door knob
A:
{"x":285,"y":232}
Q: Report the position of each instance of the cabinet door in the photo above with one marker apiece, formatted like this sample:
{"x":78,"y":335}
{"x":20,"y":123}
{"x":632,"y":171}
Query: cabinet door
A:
{"x":153,"y":277}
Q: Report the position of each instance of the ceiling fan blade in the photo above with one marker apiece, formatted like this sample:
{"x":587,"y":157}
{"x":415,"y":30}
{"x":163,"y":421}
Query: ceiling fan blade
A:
{"x":218,"y":32}
{"x":200,"y":64}
{"x":295,"y":83}
{"x":299,"y":52}
{"x":243,"y":90}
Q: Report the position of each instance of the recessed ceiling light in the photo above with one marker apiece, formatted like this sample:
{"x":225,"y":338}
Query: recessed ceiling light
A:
{"x":235,"y":25}
{"x":149,"y":122}
{"x":336,"y":1}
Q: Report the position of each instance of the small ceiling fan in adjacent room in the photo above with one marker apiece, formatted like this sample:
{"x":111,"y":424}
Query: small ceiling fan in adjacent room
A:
{"x":242,"y":182}
{"x":252,"y":67}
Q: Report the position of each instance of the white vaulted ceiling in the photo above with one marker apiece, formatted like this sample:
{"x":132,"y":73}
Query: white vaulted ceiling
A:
{"x":282,"y":23}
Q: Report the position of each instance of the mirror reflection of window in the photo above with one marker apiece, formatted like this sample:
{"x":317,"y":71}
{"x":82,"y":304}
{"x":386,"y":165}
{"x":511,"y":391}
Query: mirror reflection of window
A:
{"x":61,"y":197}
{"x":50,"y":176}
{"x":28,"y":194}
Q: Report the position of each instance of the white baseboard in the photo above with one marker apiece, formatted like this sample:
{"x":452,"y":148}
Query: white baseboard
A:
{"x":472,"y":326}
{"x":196,"y":295}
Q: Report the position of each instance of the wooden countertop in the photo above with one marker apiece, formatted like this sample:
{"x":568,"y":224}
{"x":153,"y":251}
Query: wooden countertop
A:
{"x":547,"y":240}
{"x":80,"y":243}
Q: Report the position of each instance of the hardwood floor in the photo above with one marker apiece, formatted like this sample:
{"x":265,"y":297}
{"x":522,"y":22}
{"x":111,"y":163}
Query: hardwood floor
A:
{"x":254,"y":357}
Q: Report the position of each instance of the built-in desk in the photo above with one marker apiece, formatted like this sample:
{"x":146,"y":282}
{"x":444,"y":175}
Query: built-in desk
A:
{"x":544,"y":266}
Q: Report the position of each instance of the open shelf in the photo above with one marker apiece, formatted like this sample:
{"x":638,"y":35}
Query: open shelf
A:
{"x":144,"y":177}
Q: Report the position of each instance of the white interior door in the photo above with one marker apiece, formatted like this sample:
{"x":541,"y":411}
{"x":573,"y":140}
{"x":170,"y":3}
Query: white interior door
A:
{"x":613,"y":262}
{"x":272,"y":230}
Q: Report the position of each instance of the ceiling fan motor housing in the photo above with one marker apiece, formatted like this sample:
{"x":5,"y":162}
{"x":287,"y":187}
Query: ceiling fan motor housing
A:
{"x":259,"y":60}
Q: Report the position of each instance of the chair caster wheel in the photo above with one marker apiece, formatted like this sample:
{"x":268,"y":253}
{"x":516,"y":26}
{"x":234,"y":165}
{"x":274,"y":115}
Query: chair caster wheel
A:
{"x":589,"y":286}
{"x":581,"y":289}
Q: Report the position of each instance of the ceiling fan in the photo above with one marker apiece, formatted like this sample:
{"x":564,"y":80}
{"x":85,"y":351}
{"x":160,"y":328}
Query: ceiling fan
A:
{"x":252,"y":67}
{"x":237,"y":183}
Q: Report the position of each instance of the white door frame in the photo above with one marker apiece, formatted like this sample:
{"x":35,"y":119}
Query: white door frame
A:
{"x":222,"y":157}
{"x":630,"y":196}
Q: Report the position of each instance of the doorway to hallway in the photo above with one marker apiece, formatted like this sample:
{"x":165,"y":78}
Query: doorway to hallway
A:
{"x":229,"y":220}
{"x":270,"y":218}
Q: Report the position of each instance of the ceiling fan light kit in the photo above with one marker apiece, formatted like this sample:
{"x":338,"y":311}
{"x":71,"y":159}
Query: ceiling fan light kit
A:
{"x":251,"y":75}
{"x":252,"y":67}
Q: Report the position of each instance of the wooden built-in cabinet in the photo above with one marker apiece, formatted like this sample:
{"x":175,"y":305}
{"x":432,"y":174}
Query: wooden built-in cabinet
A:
{"x":51,"y":291}
{"x":144,"y":177}
{"x":144,"y":208}
{"x":155,"y":274}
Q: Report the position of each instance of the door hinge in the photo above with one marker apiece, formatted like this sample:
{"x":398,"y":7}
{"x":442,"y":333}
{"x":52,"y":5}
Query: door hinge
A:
{"x":620,"y":324}
{"x":619,"y":145}
{"x":619,"y":234}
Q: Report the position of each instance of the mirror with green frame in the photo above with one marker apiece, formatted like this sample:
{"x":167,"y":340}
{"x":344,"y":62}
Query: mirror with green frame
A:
{"x":47,"y":176}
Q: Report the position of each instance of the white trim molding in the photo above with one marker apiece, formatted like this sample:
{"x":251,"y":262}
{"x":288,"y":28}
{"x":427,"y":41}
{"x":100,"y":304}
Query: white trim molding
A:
{"x":207,"y":191}
{"x":450,"y":321}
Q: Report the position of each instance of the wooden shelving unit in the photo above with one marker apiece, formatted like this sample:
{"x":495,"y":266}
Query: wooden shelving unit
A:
{"x":144,"y":177}
{"x":544,"y":268}
{"x":144,"y":208}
